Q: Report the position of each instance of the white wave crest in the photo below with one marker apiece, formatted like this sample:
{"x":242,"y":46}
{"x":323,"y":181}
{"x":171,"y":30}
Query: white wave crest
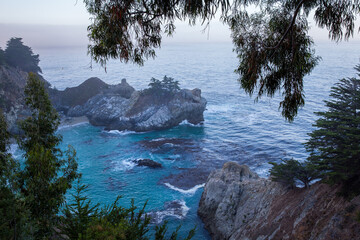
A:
{"x":185,"y":122}
{"x":123,"y":165}
{"x":180,"y":211}
{"x":190,"y":191}
{"x":121,"y":133}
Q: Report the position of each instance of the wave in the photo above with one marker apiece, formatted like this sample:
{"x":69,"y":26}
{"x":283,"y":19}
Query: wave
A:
{"x":122,"y":165}
{"x":185,"y":122}
{"x":190,"y":191}
{"x":177,"y":209}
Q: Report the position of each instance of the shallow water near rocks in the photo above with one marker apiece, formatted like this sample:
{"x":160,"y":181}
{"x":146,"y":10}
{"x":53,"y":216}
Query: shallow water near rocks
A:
{"x":235,"y":128}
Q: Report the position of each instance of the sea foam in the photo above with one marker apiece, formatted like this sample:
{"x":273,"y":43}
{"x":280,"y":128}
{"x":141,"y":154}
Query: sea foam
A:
{"x":190,"y":191}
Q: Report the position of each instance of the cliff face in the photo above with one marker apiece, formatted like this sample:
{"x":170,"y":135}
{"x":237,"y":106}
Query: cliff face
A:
{"x":237,"y":204}
{"x":12,"y":85}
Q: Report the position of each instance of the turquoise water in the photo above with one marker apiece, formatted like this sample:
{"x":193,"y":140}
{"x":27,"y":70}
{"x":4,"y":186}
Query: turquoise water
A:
{"x":235,"y":128}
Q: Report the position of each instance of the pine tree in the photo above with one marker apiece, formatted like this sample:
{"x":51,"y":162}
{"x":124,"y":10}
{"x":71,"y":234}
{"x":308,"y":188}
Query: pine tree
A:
{"x":78,"y":214}
{"x":335,"y":145}
{"x":14,"y":217}
{"x":40,"y":128}
{"x":48,"y":172}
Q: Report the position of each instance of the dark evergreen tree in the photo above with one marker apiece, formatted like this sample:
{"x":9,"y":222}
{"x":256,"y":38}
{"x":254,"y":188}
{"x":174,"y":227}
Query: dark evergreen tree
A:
{"x":2,"y":57}
{"x":166,"y":86}
{"x":274,"y":49}
{"x":15,"y":222}
{"x":48,"y":172}
{"x":21,"y":56}
{"x":40,"y":128}
{"x":335,"y":145}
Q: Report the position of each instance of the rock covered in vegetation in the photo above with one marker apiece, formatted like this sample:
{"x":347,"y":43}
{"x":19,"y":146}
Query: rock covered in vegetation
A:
{"x":120,"y":107}
{"x":117,"y":107}
{"x":237,"y":204}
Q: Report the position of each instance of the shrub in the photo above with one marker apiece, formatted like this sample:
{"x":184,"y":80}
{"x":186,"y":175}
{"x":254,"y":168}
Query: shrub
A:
{"x":291,"y":171}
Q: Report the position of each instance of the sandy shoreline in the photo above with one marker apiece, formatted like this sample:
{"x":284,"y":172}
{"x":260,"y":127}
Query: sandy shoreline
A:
{"x":71,"y":121}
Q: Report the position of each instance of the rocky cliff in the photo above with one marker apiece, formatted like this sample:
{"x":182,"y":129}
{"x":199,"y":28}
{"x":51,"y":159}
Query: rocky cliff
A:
{"x":12,"y":85}
{"x":237,"y":204}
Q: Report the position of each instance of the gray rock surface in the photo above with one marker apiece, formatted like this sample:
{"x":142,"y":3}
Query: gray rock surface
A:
{"x":237,"y":204}
{"x":12,"y":98}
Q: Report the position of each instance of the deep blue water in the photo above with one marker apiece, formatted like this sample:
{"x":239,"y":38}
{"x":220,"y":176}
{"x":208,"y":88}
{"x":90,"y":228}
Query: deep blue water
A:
{"x":235,"y":128}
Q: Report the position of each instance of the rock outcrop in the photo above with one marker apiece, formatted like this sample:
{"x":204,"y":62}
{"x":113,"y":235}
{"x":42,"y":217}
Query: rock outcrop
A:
{"x":237,"y":204}
{"x":70,"y":97}
{"x":120,"y":107}
{"x":147,"y":163}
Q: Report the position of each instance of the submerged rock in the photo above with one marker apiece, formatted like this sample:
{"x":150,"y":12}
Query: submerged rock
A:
{"x":147,"y":163}
{"x":237,"y":204}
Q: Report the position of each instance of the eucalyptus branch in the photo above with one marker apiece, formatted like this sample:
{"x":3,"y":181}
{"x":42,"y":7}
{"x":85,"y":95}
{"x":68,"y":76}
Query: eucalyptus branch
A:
{"x":297,"y":10}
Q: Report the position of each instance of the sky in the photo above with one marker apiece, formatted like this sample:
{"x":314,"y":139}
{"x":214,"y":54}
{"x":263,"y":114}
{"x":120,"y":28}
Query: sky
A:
{"x":63,"y":23}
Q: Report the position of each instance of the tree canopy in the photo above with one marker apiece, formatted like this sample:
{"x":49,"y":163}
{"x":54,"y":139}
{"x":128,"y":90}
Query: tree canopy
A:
{"x":273,"y":46}
{"x":18,"y":55}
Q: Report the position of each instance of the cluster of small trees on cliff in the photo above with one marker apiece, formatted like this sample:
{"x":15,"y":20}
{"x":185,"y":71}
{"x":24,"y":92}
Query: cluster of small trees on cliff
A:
{"x":33,"y":195}
{"x":162,"y":87}
{"x":334,"y":146}
{"x":18,"y":55}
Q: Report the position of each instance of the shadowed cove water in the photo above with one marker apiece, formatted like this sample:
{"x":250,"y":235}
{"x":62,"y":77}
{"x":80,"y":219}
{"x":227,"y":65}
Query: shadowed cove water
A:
{"x":235,"y":128}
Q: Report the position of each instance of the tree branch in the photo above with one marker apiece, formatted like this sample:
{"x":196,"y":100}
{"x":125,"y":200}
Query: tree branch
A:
{"x":289,"y":27}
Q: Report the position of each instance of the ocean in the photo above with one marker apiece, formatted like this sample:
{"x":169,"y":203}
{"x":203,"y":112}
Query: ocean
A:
{"x":235,"y":128}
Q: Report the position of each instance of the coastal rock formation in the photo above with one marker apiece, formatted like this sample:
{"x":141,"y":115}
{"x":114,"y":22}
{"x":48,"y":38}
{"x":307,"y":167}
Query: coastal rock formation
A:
{"x":12,"y":98}
{"x":116,"y":107}
{"x":73,"y":96}
{"x":120,"y":107}
{"x":237,"y":204}
{"x":147,"y":163}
